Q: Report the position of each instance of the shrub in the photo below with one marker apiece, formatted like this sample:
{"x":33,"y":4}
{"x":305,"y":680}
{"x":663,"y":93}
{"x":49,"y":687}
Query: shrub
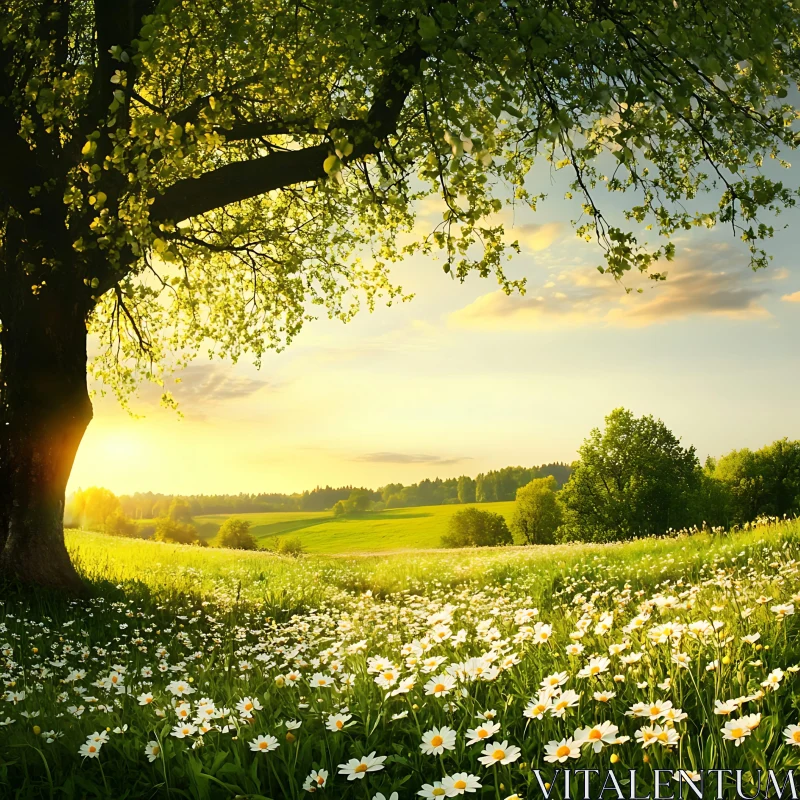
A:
{"x":235,"y":535}
{"x":472,"y":527}
{"x":169,"y":530}
{"x":537,"y":513}
{"x":117,"y":524}
{"x":358,"y":501}
{"x":289,"y":546}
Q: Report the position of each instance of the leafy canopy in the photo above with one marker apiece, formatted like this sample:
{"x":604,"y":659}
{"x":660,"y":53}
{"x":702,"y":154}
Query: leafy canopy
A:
{"x":213,"y":174}
{"x":632,"y":479}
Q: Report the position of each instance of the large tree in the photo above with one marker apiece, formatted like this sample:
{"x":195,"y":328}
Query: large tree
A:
{"x":186,"y":174}
{"x":633,"y":479}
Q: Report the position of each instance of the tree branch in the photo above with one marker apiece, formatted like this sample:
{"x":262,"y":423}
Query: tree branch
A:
{"x":244,"y":179}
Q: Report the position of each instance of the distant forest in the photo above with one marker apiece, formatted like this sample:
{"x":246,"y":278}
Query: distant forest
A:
{"x":487,"y":487}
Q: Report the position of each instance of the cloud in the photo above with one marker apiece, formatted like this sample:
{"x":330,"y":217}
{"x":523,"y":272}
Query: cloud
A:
{"x":695,"y":286}
{"x":534,"y":237}
{"x":407,"y":458}
{"x":791,"y":298}
{"x":211,"y":383}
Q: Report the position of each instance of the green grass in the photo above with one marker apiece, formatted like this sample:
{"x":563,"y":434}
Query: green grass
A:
{"x":386,"y":531}
{"x":234,"y":625}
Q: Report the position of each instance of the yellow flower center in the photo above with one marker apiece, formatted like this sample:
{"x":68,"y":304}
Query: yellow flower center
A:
{"x":362,"y":767}
{"x":92,"y":748}
{"x":440,"y":687}
{"x":655,"y":710}
{"x":436,"y":741}
{"x":596,"y":734}
{"x":459,"y":784}
{"x":499,"y":754}
{"x":594,"y":669}
{"x":339,"y":724}
{"x":737,"y":733}
{"x":562,"y":751}
{"x":248,"y":706}
{"x":156,"y":750}
{"x":482,"y":733}
{"x":796,"y":736}
{"x":263,"y":745}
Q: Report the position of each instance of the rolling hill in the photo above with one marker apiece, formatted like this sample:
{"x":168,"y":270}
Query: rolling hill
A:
{"x":321,"y":532}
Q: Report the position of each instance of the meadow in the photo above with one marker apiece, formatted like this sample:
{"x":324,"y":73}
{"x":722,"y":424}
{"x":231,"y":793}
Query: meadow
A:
{"x":320,"y":532}
{"x":205,"y":673}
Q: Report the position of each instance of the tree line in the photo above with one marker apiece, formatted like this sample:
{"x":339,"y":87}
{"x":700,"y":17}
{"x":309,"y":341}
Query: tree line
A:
{"x":89,"y":508}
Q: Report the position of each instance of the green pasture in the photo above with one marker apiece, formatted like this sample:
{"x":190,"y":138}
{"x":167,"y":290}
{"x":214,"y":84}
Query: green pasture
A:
{"x":379,"y":532}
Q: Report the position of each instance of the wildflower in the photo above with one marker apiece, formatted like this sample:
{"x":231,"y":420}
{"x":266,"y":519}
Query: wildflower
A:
{"x":597,"y":736}
{"x":773,"y":680}
{"x":431,"y":791}
{"x":792,"y":734}
{"x":675,"y":715}
{"x":338,"y":722}
{"x":184,"y":730}
{"x":460,"y":783}
{"x":555,"y":680}
{"x":499,"y":753}
{"x":604,"y":697}
{"x":595,"y":667}
{"x":560,"y":705}
{"x":317,"y":779}
{"x":735,"y":731}
{"x":180,"y":688}
{"x":90,"y":750}
{"x":437,"y":740}
{"x":536,"y":709}
{"x":561,"y":751}
{"x":247,"y":705}
{"x":145,"y":699}
{"x":357,"y":768}
{"x":152,"y":750}
{"x":656,"y":734}
{"x":264,"y":744}
{"x":440,"y":686}
{"x":482,"y":732}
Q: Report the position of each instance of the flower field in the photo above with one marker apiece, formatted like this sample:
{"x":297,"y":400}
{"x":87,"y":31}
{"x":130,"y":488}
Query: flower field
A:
{"x":479,"y":673}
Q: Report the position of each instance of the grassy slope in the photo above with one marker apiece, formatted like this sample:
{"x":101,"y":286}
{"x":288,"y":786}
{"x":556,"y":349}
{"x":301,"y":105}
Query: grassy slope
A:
{"x":320,"y":532}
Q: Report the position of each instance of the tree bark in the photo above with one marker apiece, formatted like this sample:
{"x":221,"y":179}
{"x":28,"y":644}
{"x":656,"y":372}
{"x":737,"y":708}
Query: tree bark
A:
{"x":44,"y":411}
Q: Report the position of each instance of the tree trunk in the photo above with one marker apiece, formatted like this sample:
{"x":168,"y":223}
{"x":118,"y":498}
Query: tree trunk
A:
{"x":44,"y":411}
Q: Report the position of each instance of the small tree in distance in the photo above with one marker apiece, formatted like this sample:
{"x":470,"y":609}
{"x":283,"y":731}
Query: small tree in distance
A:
{"x":472,"y":527}
{"x":169,"y":530}
{"x":537,"y":513}
{"x":235,"y":535}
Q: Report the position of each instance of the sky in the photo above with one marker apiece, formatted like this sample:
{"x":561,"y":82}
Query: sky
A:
{"x":463,"y":379}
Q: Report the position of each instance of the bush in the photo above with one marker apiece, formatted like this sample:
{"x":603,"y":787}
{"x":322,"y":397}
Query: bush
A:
{"x":289,"y":546}
{"x":537,"y":513}
{"x":235,"y":535}
{"x":170,"y":530}
{"x":117,"y":524}
{"x":358,"y":501}
{"x":475,"y":528}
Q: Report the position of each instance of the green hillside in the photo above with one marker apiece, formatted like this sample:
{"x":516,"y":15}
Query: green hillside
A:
{"x":321,"y":532}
